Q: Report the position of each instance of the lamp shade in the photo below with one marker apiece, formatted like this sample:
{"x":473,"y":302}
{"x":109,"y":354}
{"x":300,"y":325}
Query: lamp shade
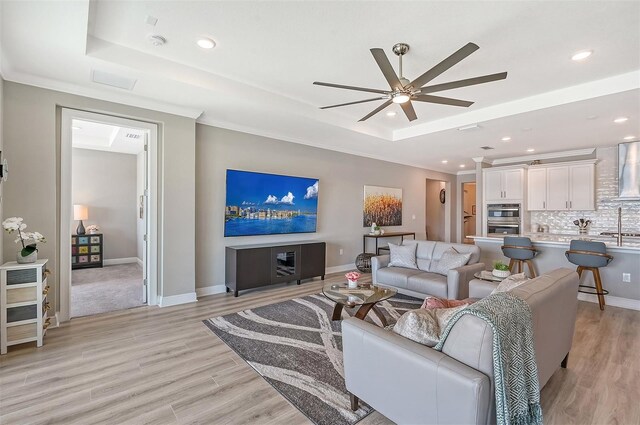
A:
{"x":80,"y":212}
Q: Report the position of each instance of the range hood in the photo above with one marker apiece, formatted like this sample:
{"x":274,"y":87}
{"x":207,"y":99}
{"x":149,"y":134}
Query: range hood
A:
{"x":629,"y":171}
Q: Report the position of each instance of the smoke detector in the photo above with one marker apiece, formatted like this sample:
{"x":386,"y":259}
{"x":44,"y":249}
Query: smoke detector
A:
{"x":156,"y":40}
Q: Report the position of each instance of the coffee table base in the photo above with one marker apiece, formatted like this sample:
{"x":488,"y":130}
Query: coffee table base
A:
{"x":361,"y":313}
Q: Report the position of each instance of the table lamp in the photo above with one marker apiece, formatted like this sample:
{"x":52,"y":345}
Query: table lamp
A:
{"x":80,"y":212}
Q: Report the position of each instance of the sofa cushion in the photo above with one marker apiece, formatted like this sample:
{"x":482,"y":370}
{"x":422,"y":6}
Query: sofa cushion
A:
{"x":402,"y":256}
{"x":424,"y":326}
{"x":479,"y":288}
{"x":428,"y":283}
{"x":424,"y":251}
{"x":395,"y":276}
{"x":451,"y":259}
{"x":435,"y":302}
{"x":441,"y":247}
{"x":511,"y":282}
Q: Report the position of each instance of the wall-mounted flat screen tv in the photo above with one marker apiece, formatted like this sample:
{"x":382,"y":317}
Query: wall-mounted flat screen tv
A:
{"x":268,"y":204}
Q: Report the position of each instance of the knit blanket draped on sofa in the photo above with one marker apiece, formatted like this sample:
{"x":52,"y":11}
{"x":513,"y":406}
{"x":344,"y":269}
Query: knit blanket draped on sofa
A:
{"x":515,"y":371}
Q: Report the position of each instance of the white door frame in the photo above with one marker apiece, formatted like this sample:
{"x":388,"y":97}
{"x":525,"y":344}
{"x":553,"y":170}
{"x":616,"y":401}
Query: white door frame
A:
{"x":64,"y":260}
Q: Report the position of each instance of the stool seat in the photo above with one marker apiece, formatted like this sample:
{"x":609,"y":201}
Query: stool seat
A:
{"x":520,"y":251}
{"x":590,"y":256}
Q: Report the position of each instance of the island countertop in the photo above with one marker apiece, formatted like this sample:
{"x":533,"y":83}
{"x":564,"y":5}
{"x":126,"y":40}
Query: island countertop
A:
{"x":629,"y":245}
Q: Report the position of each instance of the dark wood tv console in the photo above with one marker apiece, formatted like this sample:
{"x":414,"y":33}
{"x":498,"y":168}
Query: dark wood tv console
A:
{"x":253,"y":266}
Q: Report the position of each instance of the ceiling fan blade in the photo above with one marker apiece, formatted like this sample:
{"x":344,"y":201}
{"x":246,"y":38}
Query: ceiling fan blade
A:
{"x":456,"y":57}
{"x":441,"y":100}
{"x":353,"y":103}
{"x":464,"y":83}
{"x":387,"y":70}
{"x":407,"y":107}
{"x":340,"y":86}
{"x":375,"y":111}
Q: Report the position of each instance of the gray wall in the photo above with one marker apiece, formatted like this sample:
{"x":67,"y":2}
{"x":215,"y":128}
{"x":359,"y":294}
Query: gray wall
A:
{"x":341,"y":176}
{"x":435,"y":210}
{"x":460,"y":179}
{"x":106,"y":183}
{"x":32,"y":144}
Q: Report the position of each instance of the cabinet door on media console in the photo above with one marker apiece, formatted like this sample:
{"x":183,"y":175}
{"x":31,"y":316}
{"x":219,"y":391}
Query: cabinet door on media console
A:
{"x":313,"y":260}
{"x":252,"y":268}
{"x":285,"y":263}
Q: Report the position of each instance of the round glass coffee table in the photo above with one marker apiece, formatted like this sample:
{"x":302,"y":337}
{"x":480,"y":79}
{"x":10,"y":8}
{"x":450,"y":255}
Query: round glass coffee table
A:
{"x":488,"y":276}
{"x":365,"y":297}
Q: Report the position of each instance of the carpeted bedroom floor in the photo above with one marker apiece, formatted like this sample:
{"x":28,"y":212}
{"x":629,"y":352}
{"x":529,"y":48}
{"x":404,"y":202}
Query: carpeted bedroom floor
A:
{"x":110,"y":288}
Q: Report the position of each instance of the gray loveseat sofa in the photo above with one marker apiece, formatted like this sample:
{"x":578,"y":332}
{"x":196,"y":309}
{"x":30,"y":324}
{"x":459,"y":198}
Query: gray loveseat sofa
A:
{"x":411,"y":383}
{"x":422,"y":281}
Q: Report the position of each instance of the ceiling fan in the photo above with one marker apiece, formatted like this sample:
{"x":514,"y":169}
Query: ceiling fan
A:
{"x":404,"y":91}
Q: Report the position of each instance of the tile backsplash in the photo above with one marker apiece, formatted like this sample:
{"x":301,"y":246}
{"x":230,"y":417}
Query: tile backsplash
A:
{"x":605,"y":217}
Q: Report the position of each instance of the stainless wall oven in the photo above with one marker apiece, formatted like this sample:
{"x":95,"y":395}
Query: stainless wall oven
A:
{"x":504,"y":219}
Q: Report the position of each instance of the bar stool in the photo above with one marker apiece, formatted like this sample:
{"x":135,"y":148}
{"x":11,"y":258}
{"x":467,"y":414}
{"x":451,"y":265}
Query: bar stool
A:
{"x":590,"y":255}
{"x":520,"y":251}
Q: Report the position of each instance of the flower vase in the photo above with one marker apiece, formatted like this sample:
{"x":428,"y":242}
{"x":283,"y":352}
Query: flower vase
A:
{"x":582,"y":231}
{"x":31,"y":258}
{"x":352,"y":284}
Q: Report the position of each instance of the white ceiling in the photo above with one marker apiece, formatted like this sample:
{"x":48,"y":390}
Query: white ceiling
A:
{"x":105,"y":137}
{"x":259,"y":77}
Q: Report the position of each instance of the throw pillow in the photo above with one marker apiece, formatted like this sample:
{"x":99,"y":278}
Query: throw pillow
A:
{"x":435,"y":302}
{"x":425,"y":326}
{"x":451,"y":259}
{"x":403,"y":256}
{"x":511,"y":282}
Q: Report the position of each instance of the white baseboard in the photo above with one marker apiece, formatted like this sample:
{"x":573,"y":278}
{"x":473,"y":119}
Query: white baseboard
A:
{"x":210,"y":290}
{"x":116,"y":261}
{"x":342,"y":268}
{"x":629,"y":303}
{"x":140,"y":263}
{"x":177,"y":299}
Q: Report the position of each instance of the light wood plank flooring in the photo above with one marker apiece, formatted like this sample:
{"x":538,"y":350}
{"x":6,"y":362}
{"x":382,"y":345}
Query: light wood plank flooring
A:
{"x":162,"y":366}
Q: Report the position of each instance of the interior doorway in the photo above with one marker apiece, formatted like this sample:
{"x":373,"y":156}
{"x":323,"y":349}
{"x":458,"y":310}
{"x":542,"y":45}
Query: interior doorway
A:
{"x":108,"y":212}
{"x":468,"y":211}
{"x":436,"y":211}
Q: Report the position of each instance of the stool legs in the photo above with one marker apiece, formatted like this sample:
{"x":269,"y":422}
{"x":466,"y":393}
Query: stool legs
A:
{"x":519,"y":266}
{"x":598,"y":281}
{"x":532,"y":271}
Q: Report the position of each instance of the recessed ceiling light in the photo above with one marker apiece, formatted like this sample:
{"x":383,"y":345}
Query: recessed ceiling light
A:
{"x":629,"y":137}
{"x":581,"y":55}
{"x":206,"y":43}
{"x":391,"y":113}
{"x":620,"y":120}
{"x":531,"y":150}
{"x":506,"y":139}
{"x":461,"y":165}
{"x":444,"y":161}
{"x":75,"y":127}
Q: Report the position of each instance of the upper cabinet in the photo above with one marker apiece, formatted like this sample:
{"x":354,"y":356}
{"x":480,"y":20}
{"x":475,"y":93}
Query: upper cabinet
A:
{"x":561,"y":187}
{"x":504,"y":184}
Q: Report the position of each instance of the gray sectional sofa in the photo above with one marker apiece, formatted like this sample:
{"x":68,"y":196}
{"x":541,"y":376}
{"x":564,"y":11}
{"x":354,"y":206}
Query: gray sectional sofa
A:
{"x":411,"y":383}
{"x":422,"y":281}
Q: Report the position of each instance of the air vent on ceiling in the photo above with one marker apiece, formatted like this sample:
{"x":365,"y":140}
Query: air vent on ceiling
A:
{"x":132,"y":136}
{"x":486,"y":148}
{"x":113,"y":80}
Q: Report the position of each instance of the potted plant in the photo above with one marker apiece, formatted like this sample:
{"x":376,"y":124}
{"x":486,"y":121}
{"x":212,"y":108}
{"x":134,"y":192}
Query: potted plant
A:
{"x":352,"y":279}
{"x":29,"y":251}
{"x":500,"y":269}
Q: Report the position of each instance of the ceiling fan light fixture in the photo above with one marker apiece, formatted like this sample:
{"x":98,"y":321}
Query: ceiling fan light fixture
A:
{"x":400,"y":97}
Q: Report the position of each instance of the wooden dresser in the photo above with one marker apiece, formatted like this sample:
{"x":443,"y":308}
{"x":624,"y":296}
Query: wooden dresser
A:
{"x":87,"y":251}
{"x":24,"y":305}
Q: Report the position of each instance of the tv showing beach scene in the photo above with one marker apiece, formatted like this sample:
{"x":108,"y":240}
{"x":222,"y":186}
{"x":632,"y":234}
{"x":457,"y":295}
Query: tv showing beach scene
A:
{"x":268,"y":204}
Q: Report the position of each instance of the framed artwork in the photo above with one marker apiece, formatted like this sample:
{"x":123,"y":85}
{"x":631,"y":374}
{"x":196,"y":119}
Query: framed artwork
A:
{"x":473,"y":210}
{"x":382,"y":205}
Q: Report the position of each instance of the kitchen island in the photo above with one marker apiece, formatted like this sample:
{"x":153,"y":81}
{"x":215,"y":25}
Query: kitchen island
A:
{"x":551,"y":256}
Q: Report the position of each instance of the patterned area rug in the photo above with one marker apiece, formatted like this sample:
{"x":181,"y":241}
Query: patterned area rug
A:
{"x":297,"y":348}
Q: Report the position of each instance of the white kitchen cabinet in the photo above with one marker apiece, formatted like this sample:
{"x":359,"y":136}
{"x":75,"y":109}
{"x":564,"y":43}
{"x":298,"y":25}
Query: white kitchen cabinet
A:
{"x":537,"y":189}
{"x":561,"y":187}
{"x":504,"y":185}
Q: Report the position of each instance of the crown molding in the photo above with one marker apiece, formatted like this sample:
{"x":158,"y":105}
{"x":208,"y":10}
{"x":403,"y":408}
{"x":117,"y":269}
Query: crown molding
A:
{"x":128,"y":99}
{"x":465,"y":172}
{"x":550,"y":155}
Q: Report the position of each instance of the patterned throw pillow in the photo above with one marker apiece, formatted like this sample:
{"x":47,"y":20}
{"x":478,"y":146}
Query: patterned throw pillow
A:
{"x":425,"y":326}
{"x":511,"y":282}
{"x":451,"y":259}
{"x":435,"y":302}
{"x":403,"y":256}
